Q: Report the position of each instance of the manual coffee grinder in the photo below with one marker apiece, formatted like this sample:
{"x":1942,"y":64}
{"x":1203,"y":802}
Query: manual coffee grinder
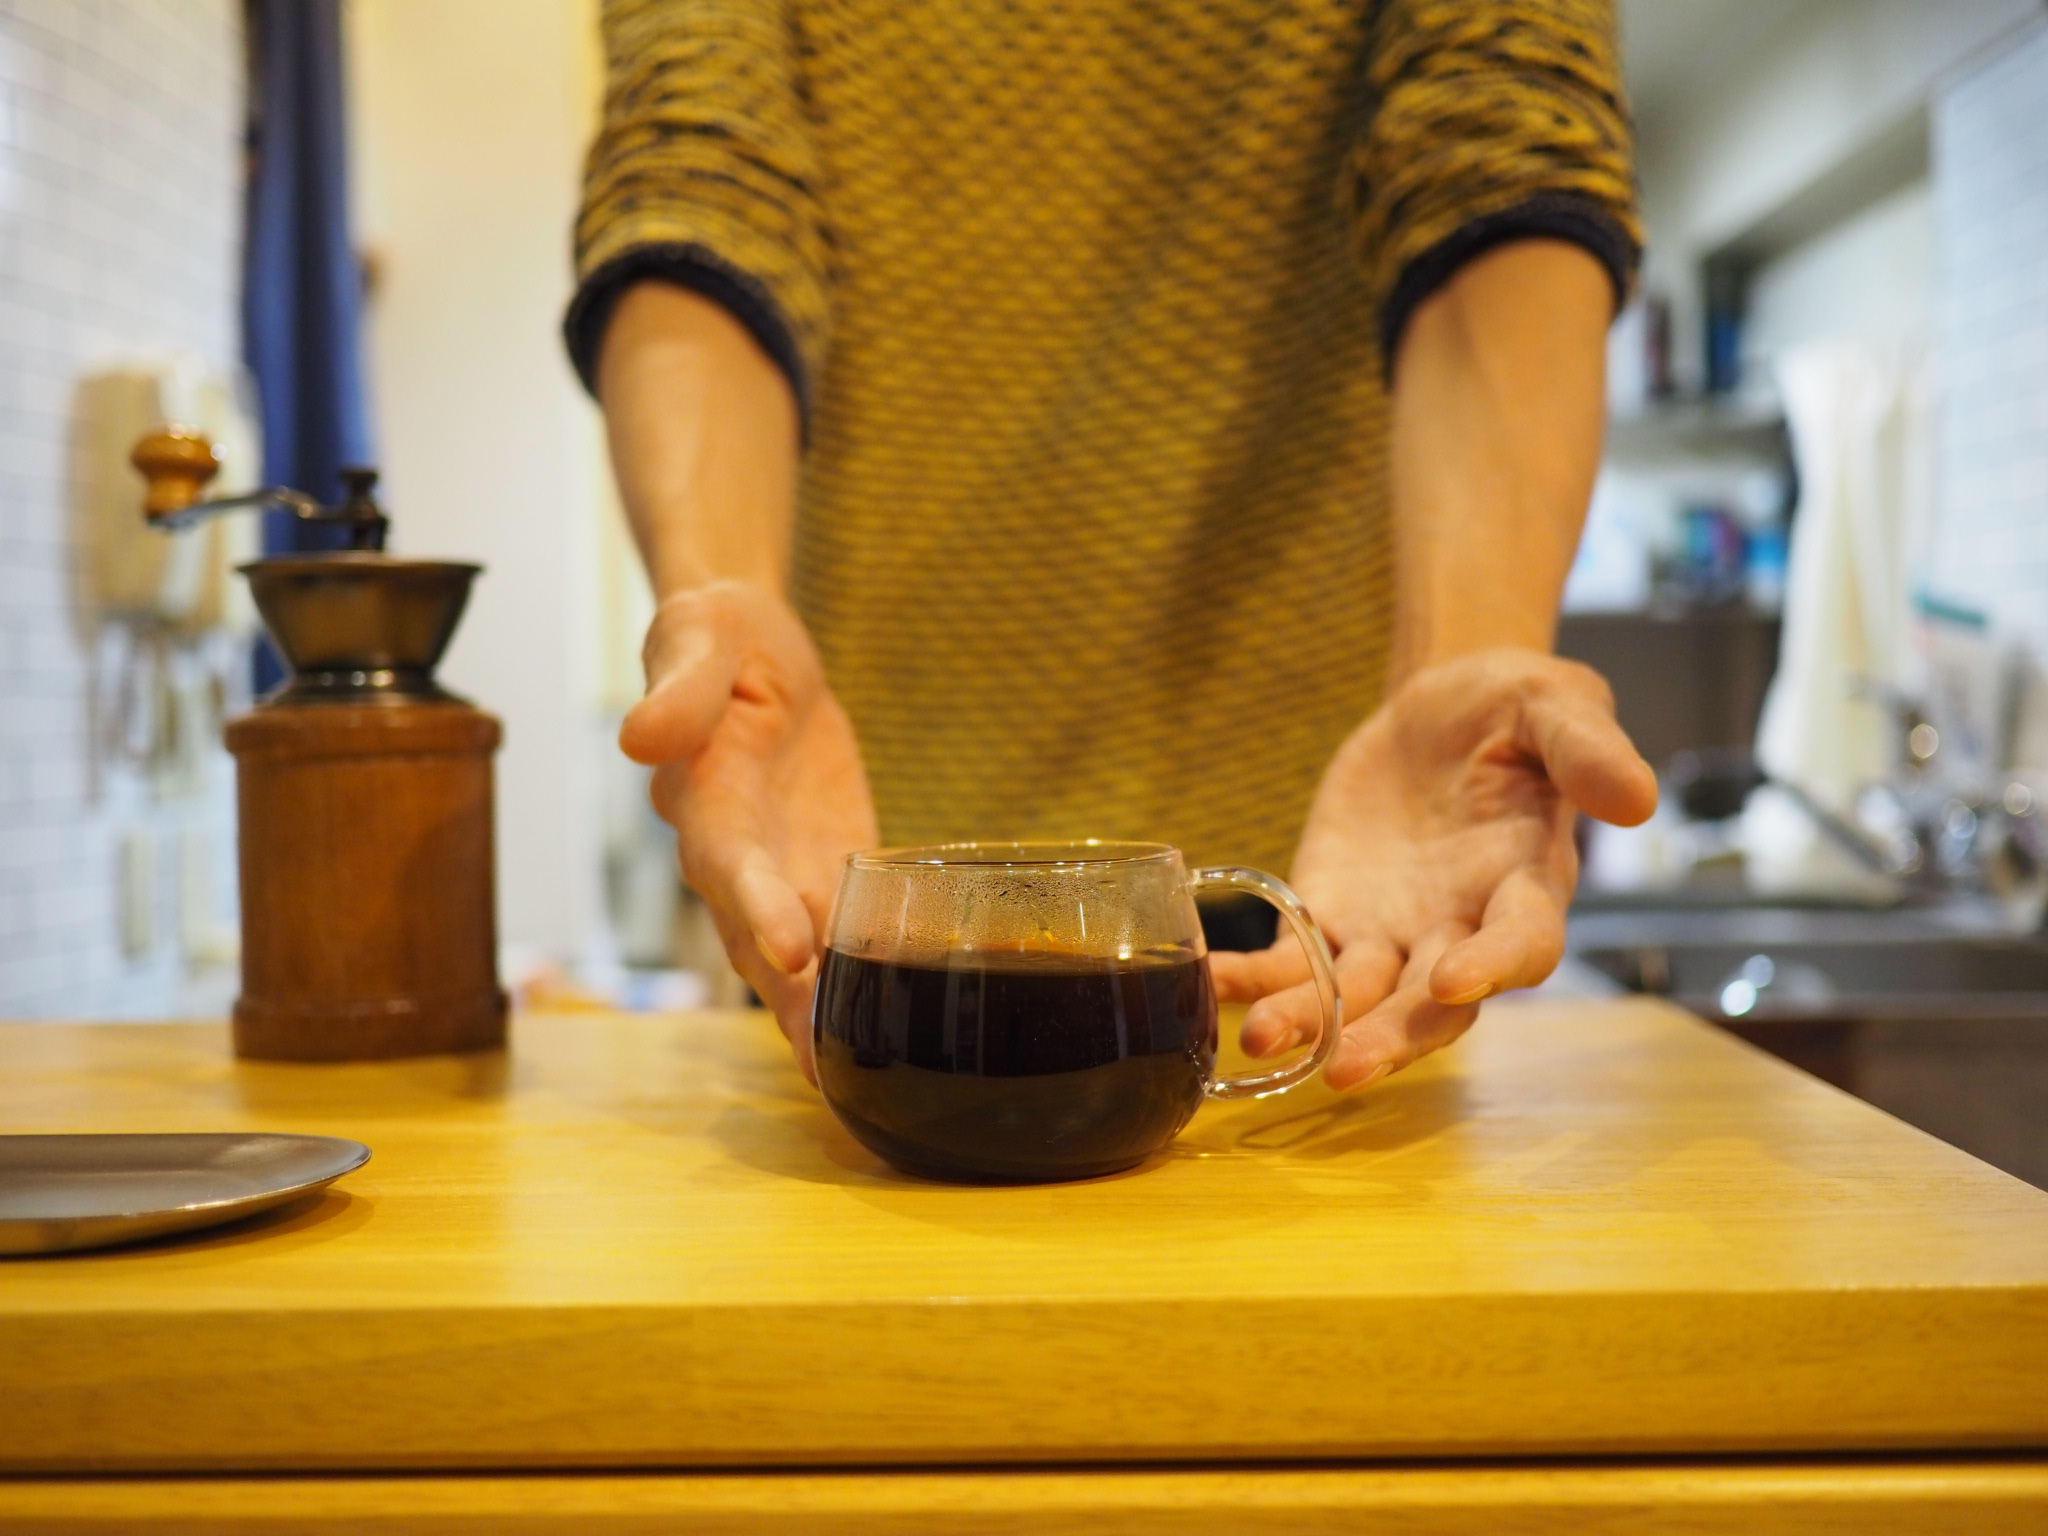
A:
{"x":364,"y":790}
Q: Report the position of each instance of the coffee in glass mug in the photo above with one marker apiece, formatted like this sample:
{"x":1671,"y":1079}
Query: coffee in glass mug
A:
{"x":1031,"y":1012}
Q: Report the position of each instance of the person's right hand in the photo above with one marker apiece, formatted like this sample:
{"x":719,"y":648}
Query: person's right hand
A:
{"x":757,"y":769}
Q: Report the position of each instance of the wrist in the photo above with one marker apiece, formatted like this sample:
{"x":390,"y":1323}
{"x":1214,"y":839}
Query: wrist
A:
{"x":1422,"y":640}
{"x":687,"y":573}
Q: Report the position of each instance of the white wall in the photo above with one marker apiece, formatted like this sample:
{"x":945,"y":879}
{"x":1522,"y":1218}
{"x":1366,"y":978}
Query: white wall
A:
{"x":1870,"y":278}
{"x":1991,"y":179}
{"x":120,"y":188}
{"x":1737,"y":142}
{"x":470,"y":118}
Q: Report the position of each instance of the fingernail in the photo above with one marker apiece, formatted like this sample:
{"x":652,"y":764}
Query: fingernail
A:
{"x":1343,"y":1056}
{"x":1478,"y":994}
{"x":1281,"y":1043}
{"x":771,"y":957}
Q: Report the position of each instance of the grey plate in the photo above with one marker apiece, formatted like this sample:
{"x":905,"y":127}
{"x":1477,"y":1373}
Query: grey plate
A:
{"x":58,"y":1193}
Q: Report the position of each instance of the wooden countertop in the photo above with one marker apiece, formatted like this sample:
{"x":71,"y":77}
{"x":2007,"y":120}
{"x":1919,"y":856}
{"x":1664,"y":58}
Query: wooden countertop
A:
{"x":641,"y":1241}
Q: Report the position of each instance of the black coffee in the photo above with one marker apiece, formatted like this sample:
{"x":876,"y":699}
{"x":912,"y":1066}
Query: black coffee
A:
{"x":1015,"y":1067}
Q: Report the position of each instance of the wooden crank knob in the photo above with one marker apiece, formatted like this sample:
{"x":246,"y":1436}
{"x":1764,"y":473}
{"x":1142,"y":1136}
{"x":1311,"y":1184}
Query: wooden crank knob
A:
{"x":176,"y":464}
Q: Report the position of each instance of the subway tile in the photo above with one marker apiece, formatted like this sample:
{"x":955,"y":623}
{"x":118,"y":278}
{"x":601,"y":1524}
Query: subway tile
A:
{"x":120,"y":123}
{"x":33,"y":975}
{"x":1991,"y":194}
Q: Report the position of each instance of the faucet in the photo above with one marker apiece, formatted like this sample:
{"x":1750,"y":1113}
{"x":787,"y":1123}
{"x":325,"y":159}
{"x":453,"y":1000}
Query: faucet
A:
{"x":1953,"y":832}
{"x":1911,"y":828}
{"x":1713,"y":783}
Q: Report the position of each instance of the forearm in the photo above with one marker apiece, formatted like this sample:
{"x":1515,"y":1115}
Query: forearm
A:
{"x":1498,"y":404}
{"x":703,"y":433}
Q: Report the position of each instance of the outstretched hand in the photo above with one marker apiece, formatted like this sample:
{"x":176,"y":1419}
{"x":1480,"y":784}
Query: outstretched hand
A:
{"x":757,"y":768}
{"x":1438,"y":856}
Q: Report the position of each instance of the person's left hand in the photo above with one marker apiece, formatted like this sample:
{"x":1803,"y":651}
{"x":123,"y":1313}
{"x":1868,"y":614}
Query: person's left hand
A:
{"x":1438,"y":856}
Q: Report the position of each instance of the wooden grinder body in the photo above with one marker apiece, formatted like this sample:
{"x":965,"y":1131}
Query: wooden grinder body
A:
{"x":368,"y":922}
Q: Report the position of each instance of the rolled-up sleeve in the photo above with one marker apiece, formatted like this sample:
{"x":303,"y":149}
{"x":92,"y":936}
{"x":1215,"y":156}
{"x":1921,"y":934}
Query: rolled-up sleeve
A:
{"x":1488,"y":121}
{"x":703,"y":175}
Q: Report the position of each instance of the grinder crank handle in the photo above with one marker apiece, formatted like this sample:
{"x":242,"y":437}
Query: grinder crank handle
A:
{"x":177,"y":463}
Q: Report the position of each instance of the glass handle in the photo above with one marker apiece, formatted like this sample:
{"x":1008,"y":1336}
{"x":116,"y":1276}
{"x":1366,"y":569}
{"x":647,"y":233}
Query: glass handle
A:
{"x":1322,"y":969}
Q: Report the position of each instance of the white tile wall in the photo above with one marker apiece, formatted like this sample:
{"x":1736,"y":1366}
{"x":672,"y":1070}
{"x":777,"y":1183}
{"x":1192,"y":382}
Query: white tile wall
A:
{"x":1991,"y":212}
{"x":119,"y":237}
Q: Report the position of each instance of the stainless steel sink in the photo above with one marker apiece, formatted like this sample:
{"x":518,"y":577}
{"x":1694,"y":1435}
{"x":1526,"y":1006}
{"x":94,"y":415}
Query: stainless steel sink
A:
{"x":1946,"y":1029}
{"x":1907,"y":976}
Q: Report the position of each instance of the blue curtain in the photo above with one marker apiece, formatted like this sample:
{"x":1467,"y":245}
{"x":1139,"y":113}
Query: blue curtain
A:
{"x":301,"y":286}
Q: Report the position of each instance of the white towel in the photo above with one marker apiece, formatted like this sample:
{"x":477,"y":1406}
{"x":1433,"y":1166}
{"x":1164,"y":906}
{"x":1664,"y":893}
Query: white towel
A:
{"x":1861,"y":419}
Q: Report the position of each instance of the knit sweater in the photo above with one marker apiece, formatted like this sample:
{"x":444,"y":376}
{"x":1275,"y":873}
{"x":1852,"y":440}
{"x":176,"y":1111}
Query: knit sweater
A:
{"x":1088,"y":306}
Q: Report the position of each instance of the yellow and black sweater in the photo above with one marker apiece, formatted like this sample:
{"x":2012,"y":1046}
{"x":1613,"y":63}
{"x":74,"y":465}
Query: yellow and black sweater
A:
{"x":1088,"y":304}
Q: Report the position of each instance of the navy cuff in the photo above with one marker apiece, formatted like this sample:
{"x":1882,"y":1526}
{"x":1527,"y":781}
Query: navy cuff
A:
{"x":701,"y":271}
{"x":1547,"y":216}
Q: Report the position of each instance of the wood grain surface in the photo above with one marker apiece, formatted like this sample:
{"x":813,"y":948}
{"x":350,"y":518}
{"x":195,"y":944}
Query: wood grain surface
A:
{"x":369,"y":916}
{"x":643,"y":1242}
{"x":1953,"y":1498}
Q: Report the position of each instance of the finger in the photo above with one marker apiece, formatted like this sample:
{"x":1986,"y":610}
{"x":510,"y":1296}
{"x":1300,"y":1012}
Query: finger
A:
{"x":787,"y":997}
{"x":1401,"y":1031}
{"x":773,"y":912}
{"x":1245,"y":977}
{"x":1366,"y":972}
{"x":1407,"y":1024}
{"x":1519,"y":942}
{"x":689,"y":687}
{"x":725,"y":861}
{"x":818,"y":900}
{"x":1587,"y":755}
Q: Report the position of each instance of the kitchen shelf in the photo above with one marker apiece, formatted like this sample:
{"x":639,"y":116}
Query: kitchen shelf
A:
{"x":1751,"y":428}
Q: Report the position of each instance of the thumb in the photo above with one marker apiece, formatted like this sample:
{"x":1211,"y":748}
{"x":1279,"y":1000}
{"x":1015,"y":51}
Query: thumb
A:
{"x":1589,"y":757}
{"x":774,"y":914}
{"x":690,"y":682}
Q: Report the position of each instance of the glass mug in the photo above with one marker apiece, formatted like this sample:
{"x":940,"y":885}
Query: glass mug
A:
{"x":1029,"y":1012}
